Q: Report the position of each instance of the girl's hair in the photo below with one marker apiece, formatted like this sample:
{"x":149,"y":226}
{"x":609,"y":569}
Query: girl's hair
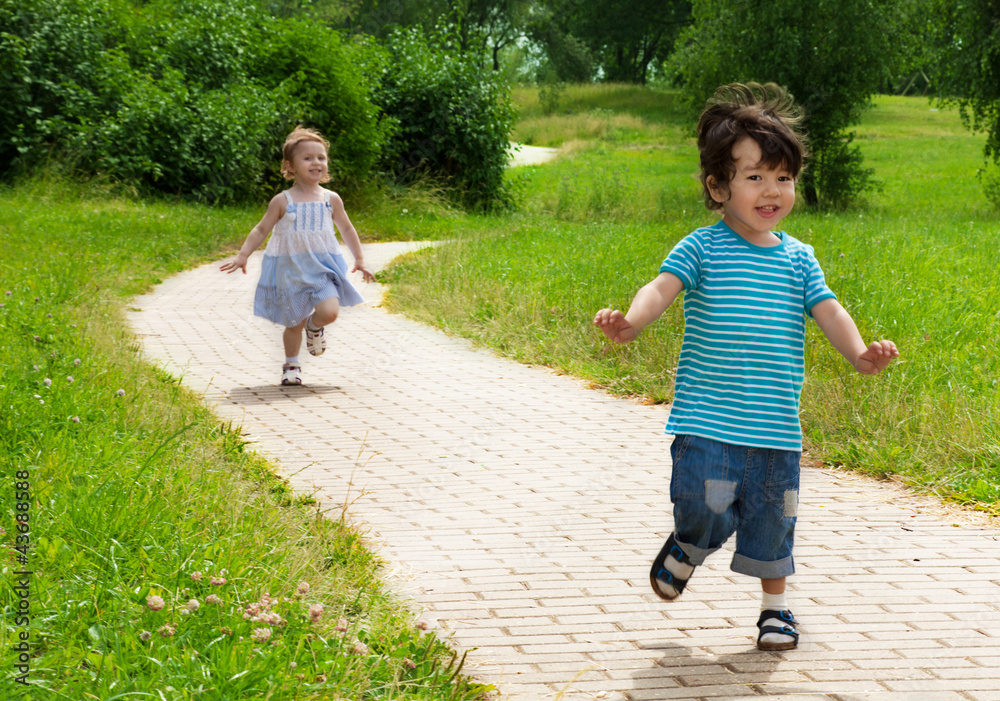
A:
{"x":765,"y":113}
{"x":298,"y":135}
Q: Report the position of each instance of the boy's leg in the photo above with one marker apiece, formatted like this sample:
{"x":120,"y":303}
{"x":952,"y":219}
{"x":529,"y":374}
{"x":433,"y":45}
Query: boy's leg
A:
{"x":703,"y":495}
{"x":776,"y":624}
{"x":765,"y":537}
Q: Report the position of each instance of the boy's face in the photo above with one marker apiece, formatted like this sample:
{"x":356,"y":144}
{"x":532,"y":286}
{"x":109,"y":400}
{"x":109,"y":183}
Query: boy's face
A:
{"x":758,"y":197}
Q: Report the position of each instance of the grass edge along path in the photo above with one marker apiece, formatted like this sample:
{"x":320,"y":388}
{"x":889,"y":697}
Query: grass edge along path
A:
{"x":166,"y":560}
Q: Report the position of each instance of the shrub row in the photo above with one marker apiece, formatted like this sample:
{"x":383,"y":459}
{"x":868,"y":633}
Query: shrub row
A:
{"x":194,"y":97}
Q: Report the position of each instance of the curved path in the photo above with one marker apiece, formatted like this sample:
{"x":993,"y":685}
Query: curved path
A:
{"x":519,"y":510}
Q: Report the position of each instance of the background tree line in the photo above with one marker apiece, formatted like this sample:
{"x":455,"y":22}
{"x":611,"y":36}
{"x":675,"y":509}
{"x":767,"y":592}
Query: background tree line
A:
{"x":191,"y":96}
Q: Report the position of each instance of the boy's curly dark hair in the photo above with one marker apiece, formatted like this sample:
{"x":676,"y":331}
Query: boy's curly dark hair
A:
{"x":765,"y":113}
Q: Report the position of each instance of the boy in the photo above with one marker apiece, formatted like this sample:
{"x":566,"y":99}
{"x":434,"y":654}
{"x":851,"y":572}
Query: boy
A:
{"x":747,"y":289}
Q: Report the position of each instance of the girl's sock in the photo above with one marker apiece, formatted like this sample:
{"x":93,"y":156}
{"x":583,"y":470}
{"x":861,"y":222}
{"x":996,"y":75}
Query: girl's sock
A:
{"x":310,"y":325}
{"x":294,"y":360}
{"x":774,"y":602}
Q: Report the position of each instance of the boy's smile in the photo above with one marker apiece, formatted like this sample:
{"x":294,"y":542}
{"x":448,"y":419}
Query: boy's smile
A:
{"x":758,"y":196}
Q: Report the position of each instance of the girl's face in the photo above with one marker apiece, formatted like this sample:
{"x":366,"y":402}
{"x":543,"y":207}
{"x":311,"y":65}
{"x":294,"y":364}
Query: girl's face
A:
{"x":759,"y":197}
{"x":308,"y":165}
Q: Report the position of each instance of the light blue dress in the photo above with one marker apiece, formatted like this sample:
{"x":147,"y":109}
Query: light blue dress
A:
{"x":303,"y":265}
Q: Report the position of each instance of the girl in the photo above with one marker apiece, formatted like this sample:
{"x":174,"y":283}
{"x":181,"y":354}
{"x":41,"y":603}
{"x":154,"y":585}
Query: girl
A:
{"x":303,"y":279}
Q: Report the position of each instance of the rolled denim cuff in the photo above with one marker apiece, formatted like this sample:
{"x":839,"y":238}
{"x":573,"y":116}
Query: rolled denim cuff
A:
{"x":695,"y":554}
{"x":776,"y":569}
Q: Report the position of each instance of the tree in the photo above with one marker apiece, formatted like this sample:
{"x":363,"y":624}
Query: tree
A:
{"x":832,"y":55}
{"x":968,"y":68}
{"x":628,"y":36}
{"x":625,"y":37}
{"x":496,"y":24}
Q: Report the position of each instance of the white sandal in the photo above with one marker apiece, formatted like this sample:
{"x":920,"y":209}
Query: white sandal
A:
{"x":315,"y":341}
{"x":291,"y":374}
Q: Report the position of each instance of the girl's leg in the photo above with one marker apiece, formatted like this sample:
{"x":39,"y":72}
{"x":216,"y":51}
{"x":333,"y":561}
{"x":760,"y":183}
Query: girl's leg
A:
{"x":292,"y":338}
{"x":326,"y":312}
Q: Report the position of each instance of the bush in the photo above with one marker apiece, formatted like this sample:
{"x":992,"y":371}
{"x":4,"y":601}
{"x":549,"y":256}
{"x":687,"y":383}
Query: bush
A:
{"x":330,"y":84}
{"x":188,"y":97}
{"x":454,"y":117}
{"x":169,"y":136}
{"x":53,"y":55}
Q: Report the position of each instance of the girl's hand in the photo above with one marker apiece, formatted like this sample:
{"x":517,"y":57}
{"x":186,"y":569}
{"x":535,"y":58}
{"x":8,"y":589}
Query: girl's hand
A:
{"x":876,"y":358}
{"x":237,"y":263}
{"x":614,"y":325}
{"x":366,"y":274}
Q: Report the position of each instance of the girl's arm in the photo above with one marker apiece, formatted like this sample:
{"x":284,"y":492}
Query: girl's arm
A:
{"x":350,"y":236}
{"x":648,"y":305}
{"x":843,"y":333}
{"x":275,"y":210}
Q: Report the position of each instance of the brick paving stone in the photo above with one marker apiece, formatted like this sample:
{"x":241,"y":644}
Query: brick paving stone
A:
{"x":518,"y":511}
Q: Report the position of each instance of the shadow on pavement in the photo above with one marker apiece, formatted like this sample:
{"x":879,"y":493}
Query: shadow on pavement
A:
{"x":692,"y":673}
{"x":267,"y":394}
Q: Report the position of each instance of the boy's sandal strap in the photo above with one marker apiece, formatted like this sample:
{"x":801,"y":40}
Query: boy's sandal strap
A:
{"x":787,"y":628}
{"x":659,"y":569}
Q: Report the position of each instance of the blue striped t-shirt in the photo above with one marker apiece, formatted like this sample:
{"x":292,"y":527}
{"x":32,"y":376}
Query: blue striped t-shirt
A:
{"x":740,"y":372}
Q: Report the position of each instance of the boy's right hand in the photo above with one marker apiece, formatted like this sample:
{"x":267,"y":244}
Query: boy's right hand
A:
{"x":614,"y":325}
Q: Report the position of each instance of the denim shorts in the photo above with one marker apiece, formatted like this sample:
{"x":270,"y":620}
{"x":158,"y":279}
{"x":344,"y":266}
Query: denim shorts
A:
{"x":719,"y":489}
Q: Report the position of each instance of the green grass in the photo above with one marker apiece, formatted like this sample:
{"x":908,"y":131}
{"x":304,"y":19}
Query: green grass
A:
{"x":914,"y":263}
{"x":132,"y":488}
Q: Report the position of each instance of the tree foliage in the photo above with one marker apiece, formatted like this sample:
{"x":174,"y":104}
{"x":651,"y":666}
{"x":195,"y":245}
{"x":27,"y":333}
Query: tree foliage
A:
{"x":832,"y":55}
{"x":194,"y":97}
{"x":968,"y":64}
{"x":453,"y":116}
{"x":628,"y":36}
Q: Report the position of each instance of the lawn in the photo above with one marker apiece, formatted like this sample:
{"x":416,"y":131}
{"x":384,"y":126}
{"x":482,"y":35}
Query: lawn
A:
{"x":166,"y":560}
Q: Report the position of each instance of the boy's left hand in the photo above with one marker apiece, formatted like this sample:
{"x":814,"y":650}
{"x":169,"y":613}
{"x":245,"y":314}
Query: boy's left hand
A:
{"x":876,"y":358}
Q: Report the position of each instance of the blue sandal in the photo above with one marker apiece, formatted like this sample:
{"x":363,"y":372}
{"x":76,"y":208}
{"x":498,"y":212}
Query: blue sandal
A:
{"x":660,"y":573}
{"x":788,"y":628}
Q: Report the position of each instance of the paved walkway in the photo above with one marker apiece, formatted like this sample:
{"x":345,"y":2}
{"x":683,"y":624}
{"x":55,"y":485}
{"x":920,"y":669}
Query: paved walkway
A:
{"x":519,"y":510}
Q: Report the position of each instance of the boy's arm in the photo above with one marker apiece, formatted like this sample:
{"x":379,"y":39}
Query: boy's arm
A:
{"x":649,"y":303}
{"x":843,"y":333}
